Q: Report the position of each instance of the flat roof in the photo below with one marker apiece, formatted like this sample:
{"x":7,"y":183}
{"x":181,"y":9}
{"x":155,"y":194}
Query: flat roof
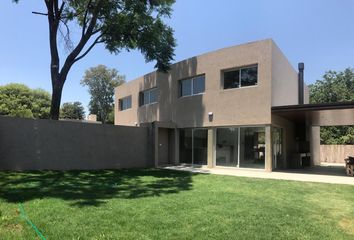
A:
{"x":313,"y":106}
{"x":318,"y":114}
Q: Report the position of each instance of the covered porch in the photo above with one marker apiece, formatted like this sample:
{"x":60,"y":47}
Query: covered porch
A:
{"x":301,"y":125}
{"x":290,"y":144}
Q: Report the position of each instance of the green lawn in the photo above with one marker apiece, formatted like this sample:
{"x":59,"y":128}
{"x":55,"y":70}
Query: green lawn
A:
{"x":162,"y":204}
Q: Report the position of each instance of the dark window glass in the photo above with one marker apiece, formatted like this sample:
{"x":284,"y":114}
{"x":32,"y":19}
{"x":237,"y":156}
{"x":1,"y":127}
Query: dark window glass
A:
{"x":249,"y":76}
{"x":153,"y":95}
{"x":227,"y":147}
{"x":148,"y":96}
{"x":232,"y":79}
{"x":192,"y":86}
{"x":186,"y":87}
{"x":125,"y":103}
{"x":185,"y":146}
{"x":193,"y":146}
{"x":200,"y":146}
{"x":129,"y":102}
{"x":199,"y":84}
{"x":252,"y":149}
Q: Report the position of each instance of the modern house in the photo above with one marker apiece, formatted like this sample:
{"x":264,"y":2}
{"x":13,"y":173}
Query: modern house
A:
{"x":244,"y":107}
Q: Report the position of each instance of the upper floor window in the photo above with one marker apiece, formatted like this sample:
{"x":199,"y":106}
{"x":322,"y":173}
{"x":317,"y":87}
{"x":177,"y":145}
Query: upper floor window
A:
{"x":148,"y":96}
{"x":241,"y":77}
{"x":125,"y":103}
{"x":192,"y":86}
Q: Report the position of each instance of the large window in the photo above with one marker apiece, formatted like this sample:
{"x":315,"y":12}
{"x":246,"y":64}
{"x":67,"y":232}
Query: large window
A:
{"x":148,"y":96}
{"x":241,"y":77}
{"x":240,"y":147}
{"x":193,"y":146}
{"x":192,"y":86}
{"x":252,"y":147}
{"x":125,"y":103}
{"x":278,"y":160}
{"x":227,"y":147}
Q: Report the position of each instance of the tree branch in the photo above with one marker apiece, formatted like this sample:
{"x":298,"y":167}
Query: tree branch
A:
{"x":85,"y":18}
{"x":60,"y":10}
{"x":97,"y":30}
{"x":39,"y":13}
{"x":56,"y":7}
{"x":68,"y":43}
{"x":70,"y":60}
{"x":97,"y":40}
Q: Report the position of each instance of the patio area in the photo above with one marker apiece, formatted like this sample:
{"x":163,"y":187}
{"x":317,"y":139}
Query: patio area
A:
{"x":320,"y":174}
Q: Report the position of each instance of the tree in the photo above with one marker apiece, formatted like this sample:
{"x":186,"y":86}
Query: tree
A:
{"x":73,"y":110}
{"x":18,"y":100}
{"x":101,"y":82}
{"x":110,"y":117}
{"x":335,"y":87}
{"x":118,"y":24}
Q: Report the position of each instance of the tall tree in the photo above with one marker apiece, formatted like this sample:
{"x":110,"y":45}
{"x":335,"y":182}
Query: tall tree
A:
{"x":18,"y":100}
{"x":73,"y":110}
{"x":118,"y":24}
{"x":101,"y":82}
{"x":335,"y":87}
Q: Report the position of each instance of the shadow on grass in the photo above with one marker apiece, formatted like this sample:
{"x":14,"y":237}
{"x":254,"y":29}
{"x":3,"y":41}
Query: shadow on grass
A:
{"x":91,"y":188}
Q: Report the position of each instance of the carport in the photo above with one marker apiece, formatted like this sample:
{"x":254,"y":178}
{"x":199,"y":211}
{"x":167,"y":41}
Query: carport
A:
{"x":306,"y":120}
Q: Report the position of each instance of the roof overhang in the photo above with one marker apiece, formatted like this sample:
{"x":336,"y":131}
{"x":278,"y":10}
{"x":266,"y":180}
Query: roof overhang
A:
{"x":322,"y":114}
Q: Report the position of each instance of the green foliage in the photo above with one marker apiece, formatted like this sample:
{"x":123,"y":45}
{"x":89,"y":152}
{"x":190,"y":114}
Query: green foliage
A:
{"x":129,"y":24}
{"x":335,"y":87}
{"x":73,"y":110}
{"x":101,"y":82}
{"x":122,"y":25}
{"x":118,"y":24}
{"x":110,"y":117}
{"x":18,"y":100}
{"x":337,"y":135}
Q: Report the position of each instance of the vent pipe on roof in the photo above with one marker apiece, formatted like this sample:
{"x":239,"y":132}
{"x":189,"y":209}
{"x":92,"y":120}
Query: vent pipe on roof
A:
{"x":301,"y":67}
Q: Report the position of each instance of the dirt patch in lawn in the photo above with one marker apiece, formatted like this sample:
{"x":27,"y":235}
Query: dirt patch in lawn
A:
{"x":13,"y":227}
{"x":347,"y":225}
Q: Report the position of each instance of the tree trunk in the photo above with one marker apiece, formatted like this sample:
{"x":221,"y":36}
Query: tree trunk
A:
{"x":56,"y":99}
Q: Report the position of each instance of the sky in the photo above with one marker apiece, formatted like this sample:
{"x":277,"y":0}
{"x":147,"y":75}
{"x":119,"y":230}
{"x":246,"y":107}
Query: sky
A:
{"x":319,"y":33}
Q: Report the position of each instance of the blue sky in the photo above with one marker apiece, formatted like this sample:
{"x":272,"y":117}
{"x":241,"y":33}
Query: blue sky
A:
{"x":319,"y":33}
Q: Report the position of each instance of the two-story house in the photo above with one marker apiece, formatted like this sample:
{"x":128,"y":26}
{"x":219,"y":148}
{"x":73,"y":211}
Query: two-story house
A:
{"x":233,"y":107}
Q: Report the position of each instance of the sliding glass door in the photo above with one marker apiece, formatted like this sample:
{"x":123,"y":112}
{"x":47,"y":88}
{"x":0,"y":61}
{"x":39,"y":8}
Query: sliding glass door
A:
{"x":252,"y":147}
{"x":194,"y":146}
{"x":278,"y":160}
{"x":186,"y":146}
{"x":240,"y":147}
{"x":227,"y":147}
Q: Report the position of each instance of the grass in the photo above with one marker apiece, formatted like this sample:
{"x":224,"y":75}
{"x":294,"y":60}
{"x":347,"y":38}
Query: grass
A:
{"x":162,"y":204}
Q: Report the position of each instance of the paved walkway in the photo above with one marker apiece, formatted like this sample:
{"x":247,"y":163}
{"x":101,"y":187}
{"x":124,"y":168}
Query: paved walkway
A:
{"x":307,"y":175}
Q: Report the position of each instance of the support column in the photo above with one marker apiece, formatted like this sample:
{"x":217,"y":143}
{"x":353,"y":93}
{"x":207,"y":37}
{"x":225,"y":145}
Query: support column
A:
{"x":268,"y":149}
{"x":315,"y":142}
{"x":211,"y":147}
{"x":155,"y":130}
{"x":176,"y":152}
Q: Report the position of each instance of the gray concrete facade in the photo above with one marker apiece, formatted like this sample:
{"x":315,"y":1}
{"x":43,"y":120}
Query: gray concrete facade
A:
{"x":276,"y":85}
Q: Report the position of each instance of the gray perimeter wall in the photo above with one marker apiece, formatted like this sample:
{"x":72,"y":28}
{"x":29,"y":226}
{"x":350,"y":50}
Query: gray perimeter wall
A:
{"x":27,"y":144}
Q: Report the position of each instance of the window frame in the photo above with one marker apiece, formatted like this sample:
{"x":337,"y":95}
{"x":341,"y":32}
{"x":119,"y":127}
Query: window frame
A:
{"x":192,"y":86}
{"x":240,"y":76}
{"x":147,"y":91}
{"x":120,"y":103}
